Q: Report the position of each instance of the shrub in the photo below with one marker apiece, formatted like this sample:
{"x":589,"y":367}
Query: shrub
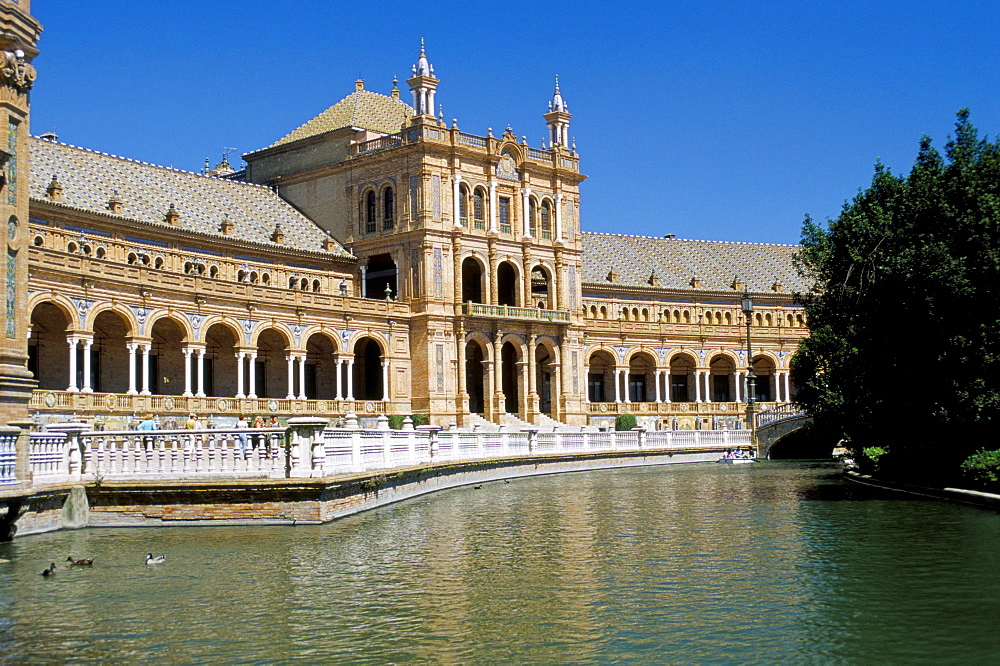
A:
{"x":872,"y":459}
{"x":983,"y":469}
{"x":625,"y":422}
{"x":396,"y":421}
{"x":420,"y":419}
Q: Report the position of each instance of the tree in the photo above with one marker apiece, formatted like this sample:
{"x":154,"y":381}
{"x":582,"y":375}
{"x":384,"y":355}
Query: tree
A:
{"x":904,"y":349}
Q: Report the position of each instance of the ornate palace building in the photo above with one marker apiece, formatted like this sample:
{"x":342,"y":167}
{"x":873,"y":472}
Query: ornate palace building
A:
{"x":374,"y":260}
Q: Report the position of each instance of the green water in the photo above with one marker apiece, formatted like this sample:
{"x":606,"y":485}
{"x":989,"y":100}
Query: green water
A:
{"x":706,"y":563}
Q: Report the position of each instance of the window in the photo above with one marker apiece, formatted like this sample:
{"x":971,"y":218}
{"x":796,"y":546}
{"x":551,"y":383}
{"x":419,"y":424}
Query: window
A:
{"x":532,"y":217}
{"x":478,"y":212}
{"x":546,"y":220}
{"x":504,"y":214}
{"x":463,"y":205}
{"x":388,"y":209}
{"x":370,"y":212}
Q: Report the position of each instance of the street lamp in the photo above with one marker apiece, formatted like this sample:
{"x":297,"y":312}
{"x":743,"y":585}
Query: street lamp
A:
{"x":746,"y":303}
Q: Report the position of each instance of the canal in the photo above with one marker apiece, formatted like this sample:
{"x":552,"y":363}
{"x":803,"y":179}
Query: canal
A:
{"x":772,"y":562}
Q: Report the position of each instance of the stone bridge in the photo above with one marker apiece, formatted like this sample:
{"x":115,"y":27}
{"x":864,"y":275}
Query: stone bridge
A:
{"x":777,"y":424}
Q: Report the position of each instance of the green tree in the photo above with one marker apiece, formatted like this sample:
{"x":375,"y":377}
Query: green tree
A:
{"x":904,"y":316}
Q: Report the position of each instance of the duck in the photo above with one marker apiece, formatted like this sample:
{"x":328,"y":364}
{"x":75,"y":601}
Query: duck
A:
{"x":476,"y":487}
{"x":159,"y":559}
{"x":50,"y":571}
{"x":76,"y":563}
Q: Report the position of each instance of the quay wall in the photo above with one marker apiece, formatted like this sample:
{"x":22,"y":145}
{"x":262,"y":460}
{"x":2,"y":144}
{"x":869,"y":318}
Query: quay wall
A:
{"x":289,"y":501}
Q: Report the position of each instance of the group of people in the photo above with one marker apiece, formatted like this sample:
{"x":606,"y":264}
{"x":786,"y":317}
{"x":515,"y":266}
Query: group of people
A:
{"x":738,"y":454}
{"x":242,"y":423}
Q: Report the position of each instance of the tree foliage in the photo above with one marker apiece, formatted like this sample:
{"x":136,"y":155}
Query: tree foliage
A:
{"x":904,"y":314}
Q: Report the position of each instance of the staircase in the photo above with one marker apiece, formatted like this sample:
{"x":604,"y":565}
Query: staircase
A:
{"x":474,"y":420}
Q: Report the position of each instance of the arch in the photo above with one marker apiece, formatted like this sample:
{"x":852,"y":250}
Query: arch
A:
{"x":545,"y":218}
{"x":641,"y":376}
{"x":541,"y":281}
{"x":316,"y":286}
{"x":167,"y":361}
{"x":601,"y":364}
{"x":388,"y":208}
{"x":220,"y":364}
{"x":604,"y":312}
{"x":271,"y":370}
{"x":370,"y":208}
{"x":368,"y":370}
{"x":506,"y":284}
{"x":510,"y":357}
{"x":682,"y":368}
{"x":463,"y":204}
{"x":47,"y":346}
{"x":546,"y":362}
{"x":476,"y":355}
{"x":38,"y":241}
{"x":321,"y":366}
{"x":533,"y":216}
{"x":479,"y":199}
{"x":722,"y":382}
{"x":472,"y":280}
{"x":764,"y":367}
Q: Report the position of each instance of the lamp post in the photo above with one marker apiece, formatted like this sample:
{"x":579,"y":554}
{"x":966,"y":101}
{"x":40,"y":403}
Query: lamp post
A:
{"x":746,"y":303}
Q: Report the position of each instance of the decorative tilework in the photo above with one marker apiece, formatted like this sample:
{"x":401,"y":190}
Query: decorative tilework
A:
{"x":248,"y":326}
{"x":12,"y":131}
{"x":571,"y":283}
{"x":622,"y":350}
{"x":196,"y":321}
{"x":82,"y":307}
{"x":415,"y":271}
{"x":11,"y":293}
{"x":414,"y":202}
{"x":438,"y":277}
{"x":140,"y":315}
{"x":439,"y":363}
{"x":702,"y":353}
{"x":436,"y":196}
{"x":576,"y":372}
{"x":362,"y":108}
{"x":662,"y":353}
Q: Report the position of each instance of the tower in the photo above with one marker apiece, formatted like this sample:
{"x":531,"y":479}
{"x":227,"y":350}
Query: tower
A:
{"x":423,"y":83}
{"x":19,"y":33}
{"x":558,"y":119}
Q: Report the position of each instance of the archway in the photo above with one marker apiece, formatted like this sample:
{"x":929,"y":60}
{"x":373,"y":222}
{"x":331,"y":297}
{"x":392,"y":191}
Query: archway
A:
{"x":271,"y":371}
{"x":220,"y":361}
{"x":641,"y":378}
{"x":544,"y":361}
{"x":601,"y":377}
{"x":47,"y":347}
{"x":475,"y":377}
{"x":763,"y":369}
{"x":540,"y":288}
{"x":166,"y":359}
{"x":681,"y":369}
{"x":321,"y":368}
{"x":509,"y":377}
{"x":109,"y":355}
{"x":472,"y":281}
{"x":368,"y":370}
{"x":380,"y":273}
{"x":722,"y":370}
{"x":506,"y":284}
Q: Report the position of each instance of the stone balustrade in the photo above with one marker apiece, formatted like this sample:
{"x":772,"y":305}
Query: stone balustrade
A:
{"x":308,"y":448}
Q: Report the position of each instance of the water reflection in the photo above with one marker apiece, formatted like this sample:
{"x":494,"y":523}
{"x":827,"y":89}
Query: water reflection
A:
{"x":708,"y":563}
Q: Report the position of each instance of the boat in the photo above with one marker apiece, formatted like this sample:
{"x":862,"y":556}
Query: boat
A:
{"x":736,"y":461}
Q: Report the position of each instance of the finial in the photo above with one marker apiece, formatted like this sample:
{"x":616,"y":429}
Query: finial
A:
{"x":422,"y":46}
{"x":557,"y":83}
{"x":395,"y":82}
{"x":441,"y":112}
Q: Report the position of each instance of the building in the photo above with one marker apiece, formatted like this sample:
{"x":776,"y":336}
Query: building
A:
{"x":379,"y":260}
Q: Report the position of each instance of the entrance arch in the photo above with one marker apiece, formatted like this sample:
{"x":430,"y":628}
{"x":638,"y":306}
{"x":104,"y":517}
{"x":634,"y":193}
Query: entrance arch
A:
{"x":220,"y":360}
{"x":721,"y":384}
{"x":368,"y":370}
{"x":321,"y":368}
{"x":681,"y":369}
{"x":109,"y":355}
{"x":167,"y":360}
{"x":510,"y":378}
{"x":601,"y":377}
{"x":271,"y":373}
{"x":764,"y":370}
{"x":641,"y":378}
{"x":544,"y":374}
{"x":472,"y":281}
{"x":540,"y":288}
{"x":475,"y":377}
{"x":47,"y":347}
{"x":506,"y":284}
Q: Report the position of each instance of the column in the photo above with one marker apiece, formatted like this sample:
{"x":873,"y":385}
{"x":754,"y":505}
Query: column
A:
{"x":558,"y":213}
{"x":350,"y":378}
{"x":736,"y":380}
{"x":291,"y":377}
{"x":618,"y":384}
{"x":385,"y":379}
{"x":73,"y":343}
{"x":497,"y":364}
{"x":657,"y":374}
{"x":240,"y":356}
{"x":340,"y":378}
{"x":627,"y":384}
{"x":697,"y":385}
{"x":456,"y":196}
{"x":525,"y":205}
{"x":87,"y":344}
{"x":493,"y":207}
{"x":201,"y":373}
{"x":532,"y":371}
{"x":145,"y":368}
{"x":252,"y":370}
{"x":131,"y":368}
{"x":666,"y":384}
{"x":187,"y":371}
{"x":708,"y":385}
{"x":788,"y":386}
{"x":302,"y":378}
{"x":364,"y":281}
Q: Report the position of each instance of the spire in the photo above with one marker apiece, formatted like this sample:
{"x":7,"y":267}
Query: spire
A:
{"x":558,"y":119}
{"x":423,"y":83}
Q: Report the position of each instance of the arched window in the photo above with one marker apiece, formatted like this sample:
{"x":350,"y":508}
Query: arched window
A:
{"x":72,"y":248}
{"x":158,"y":263}
{"x":315,"y":286}
{"x":212,"y":272}
{"x":266,"y":278}
{"x":101,"y":253}
{"x":546,"y":220}
{"x":463,"y":205}
{"x":304,"y":284}
{"x":39,"y":241}
{"x":478,"y":210}
{"x":388,"y":209}
{"x":532,"y":217}
{"x":370,"y":212}
{"x":292,"y":282}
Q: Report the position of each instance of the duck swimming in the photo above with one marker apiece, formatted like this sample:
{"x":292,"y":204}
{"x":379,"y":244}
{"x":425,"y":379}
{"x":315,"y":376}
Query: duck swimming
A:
{"x":76,"y":563}
{"x":159,"y":559}
{"x":50,"y":571}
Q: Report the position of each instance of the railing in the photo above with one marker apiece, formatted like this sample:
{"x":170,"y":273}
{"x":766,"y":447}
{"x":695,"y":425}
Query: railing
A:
{"x":788,"y":410}
{"x":471,"y":140}
{"x":381,"y":143}
{"x":309,"y":451}
{"x":539,"y":155}
{"x":671,"y":408}
{"x":512,"y":312}
{"x":8,"y":455}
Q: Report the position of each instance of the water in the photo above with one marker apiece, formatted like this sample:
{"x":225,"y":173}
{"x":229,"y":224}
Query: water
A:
{"x":708,"y":563}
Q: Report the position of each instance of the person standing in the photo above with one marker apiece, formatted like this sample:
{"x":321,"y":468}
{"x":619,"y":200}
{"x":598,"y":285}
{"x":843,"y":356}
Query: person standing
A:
{"x":148,"y":424}
{"x":241,"y":424}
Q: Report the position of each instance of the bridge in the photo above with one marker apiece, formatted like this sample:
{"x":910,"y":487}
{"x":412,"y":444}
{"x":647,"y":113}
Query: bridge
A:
{"x":779,"y":425}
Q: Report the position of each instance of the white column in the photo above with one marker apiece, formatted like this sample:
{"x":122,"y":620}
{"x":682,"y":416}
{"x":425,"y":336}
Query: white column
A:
{"x":201,"y":373}
{"x":302,"y":378}
{"x":252,"y":370}
{"x":291,"y":377}
{"x":456,"y":196}
{"x":657,"y":374}
{"x":87,"y":344}
{"x":697,"y":385}
{"x":385,"y":379}
{"x":708,"y":386}
{"x":73,"y":343}
{"x":788,"y":387}
{"x":340,"y":378}
{"x":239,"y":374}
{"x":350,"y":378}
{"x":131,"y":368}
{"x":559,"y":223}
{"x":493,"y":207}
{"x":618,"y":382}
{"x":525,"y":222}
{"x":666,"y":385}
{"x":145,"y":368}
{"x":736,"y":381}
{"x":187,"y":371}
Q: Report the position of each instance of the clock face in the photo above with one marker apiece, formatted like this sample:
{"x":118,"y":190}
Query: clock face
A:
{"x":12,"y":228}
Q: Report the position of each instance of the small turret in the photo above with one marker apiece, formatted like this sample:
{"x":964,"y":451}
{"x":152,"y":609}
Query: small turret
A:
{"x":423,"y":83}
{"x":558,"y":119}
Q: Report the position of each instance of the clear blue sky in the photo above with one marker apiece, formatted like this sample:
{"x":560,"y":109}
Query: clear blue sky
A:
{"x":715,"y":120}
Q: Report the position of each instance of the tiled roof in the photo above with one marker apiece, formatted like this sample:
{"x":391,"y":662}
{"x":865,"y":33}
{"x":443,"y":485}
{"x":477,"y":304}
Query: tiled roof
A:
{"x":675,"y":261}
{"x":89,"y":179}
{"x":361,"y":108}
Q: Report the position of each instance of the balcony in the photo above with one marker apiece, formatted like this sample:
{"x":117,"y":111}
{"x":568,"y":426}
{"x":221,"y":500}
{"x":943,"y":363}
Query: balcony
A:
{"x":515,"y":313}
